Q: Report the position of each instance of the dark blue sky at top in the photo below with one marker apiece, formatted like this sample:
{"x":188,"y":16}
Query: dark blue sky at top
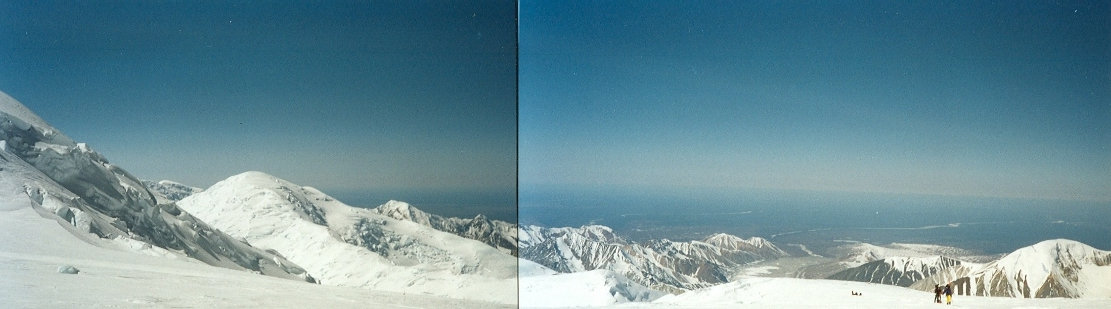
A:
{"x":981,"y":98}
{"x":340,"y":95}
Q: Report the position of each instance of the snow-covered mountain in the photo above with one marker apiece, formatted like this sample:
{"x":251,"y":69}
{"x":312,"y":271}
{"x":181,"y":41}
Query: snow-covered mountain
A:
{"x":168,"y":191}
{"x":498,"y":234}
{"x":1052,"y":268}
{"x":659,"y":264}
{"x":857,"y":253}
{"x":348,"y":246}
{"x":900,"y":271}
{"x":43,"y":169}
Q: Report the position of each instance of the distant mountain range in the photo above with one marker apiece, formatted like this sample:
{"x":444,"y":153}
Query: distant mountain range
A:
{"x":659,"y":264}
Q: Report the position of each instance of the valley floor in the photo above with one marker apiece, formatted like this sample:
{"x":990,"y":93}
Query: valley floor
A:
{"x":32,"y":248}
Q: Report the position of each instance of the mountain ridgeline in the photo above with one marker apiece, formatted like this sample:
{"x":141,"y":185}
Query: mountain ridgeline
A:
{"x":658,"y":264}
{"x":498,"y":234}
{"x":80,"y":188}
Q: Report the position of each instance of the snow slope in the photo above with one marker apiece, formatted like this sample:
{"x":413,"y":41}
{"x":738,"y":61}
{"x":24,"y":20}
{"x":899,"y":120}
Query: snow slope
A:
{"x":348,"y":246}
{"x":43,"y":169}
{"x":818,"y":293}
{"x":33,"y":245}
{"x":600,"y":287}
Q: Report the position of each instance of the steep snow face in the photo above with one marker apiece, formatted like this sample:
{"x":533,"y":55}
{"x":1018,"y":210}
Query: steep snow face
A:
{"x":1052,"y":268}
{"x":348,"y":246}
{"x":660,"y":264}
{"x":600,"y":287}
{"x":168,"y":191}
{"x":77,"y":185}
{"x":900,"y":271}
{"x":498,"y":234}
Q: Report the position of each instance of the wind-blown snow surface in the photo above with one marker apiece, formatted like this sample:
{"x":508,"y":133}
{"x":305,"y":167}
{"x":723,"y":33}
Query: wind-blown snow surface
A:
{"x":33,"y":246}
{"x":348,"y":246}
{"x":43,"y":169}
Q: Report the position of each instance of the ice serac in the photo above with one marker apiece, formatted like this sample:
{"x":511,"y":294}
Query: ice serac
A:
{"x":1052,"y":268}
{"x":349,"y":246}
{"x":498,"y":234}
{"x":79,"y":187}
{"x":663,"y":265}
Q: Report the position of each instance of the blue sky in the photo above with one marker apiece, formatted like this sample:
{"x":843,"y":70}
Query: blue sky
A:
{"x":1002,"y":99}
{"x":339,"y":95}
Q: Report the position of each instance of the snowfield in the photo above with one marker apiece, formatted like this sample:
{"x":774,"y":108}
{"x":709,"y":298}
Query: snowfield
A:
{"x":33,"y":247}
{"x":583,"y":290}
{"x":543,"y":287}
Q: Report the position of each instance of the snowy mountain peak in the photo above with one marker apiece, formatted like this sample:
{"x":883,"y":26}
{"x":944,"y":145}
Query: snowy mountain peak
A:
{"x":403,"y":211}
{"x":736,"y":243}
{"x":1051,"y":268}
{"x":349,"y":246}
{"x":599,"y":233}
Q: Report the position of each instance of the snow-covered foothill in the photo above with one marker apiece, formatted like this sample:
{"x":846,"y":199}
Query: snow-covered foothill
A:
{"x":348,"y":246}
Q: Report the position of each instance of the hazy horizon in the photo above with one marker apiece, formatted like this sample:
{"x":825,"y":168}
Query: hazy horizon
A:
{"x":936,"y":97}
